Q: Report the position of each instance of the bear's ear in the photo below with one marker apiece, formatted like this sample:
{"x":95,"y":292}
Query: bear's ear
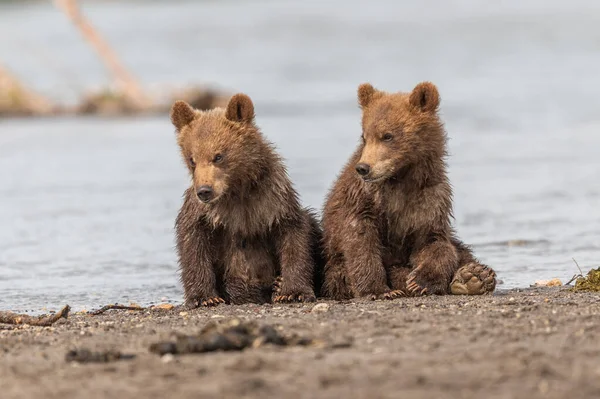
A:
{"x":366,"y":94}
{"x":182,"y":114}
{"x":425,"y":97}
{"x":240,"y":109}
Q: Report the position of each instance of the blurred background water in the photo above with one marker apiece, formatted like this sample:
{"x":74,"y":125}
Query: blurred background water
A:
{"x":87,"y":204}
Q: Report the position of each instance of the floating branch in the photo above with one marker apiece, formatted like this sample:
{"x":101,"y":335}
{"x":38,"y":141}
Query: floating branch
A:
{"x":124,"y":80}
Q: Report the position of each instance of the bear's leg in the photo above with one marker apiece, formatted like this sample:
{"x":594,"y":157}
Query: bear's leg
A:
{"x":363,"y":263}
{"x":317,"y":252}
{"x":335,"y":283}
{"x":397,"y":275}
{"x":239,"y":291}
{"x":236,"y":290}
{"x":196,"y":252}
{"x":434,"y":266}
{"x":238,"y":287}
{"x":296,"y":259}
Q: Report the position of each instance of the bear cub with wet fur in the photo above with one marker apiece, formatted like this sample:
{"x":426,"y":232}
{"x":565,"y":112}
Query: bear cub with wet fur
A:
{"x":242,"y":235}
{"x":387,"y":220}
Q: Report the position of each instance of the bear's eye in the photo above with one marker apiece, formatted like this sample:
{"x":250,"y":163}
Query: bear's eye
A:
{"x":192,"y":162}
{"x":387,"y":137}
{"x":218,"y":158}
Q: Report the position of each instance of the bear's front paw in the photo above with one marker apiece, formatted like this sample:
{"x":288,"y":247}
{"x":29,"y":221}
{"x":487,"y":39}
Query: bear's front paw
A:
{"x":388,"y":295}
{"x":295,"y":297}
{"x":423,"y":281}
{"x":283,"y":294}
{"x":205,"y":302}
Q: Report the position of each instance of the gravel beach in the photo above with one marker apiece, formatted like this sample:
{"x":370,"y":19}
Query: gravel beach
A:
{"x":541,"y":342}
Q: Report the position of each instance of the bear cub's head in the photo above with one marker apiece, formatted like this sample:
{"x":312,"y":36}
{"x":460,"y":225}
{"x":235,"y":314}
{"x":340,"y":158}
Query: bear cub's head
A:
{"x":221,"y":147}
{"x":399,"y":130}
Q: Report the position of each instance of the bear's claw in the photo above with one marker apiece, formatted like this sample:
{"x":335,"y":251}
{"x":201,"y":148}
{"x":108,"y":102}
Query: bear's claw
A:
{"x":212,"y":301}
{"x":294,"y":298}
{"x":277,"y":285}
{"x":389,"y":295}
{"x":206,"y":302}
{"x":414,"y":289}
{"x":473,"y":279}
{"x":278,"y":298}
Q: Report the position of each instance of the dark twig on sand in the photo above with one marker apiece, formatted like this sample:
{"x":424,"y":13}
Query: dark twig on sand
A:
{"x":576,"y":276}
{"x":44,"y":320}
{"x":6,"y":328}
{"x":114,"y":306}
{"x":235,"y":335}
{"x":577,"y":264}
{"x":87,"y":356}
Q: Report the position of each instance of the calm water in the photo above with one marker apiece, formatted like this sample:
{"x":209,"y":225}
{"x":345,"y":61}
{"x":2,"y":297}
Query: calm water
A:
{"x":87,"y":204}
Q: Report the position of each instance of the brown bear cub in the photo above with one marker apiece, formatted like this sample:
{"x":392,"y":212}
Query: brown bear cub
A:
{"x":386,"y":221}
{"x":242,"y":235}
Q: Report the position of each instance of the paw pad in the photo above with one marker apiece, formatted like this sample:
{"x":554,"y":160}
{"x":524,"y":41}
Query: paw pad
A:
{"x":473,"y":279}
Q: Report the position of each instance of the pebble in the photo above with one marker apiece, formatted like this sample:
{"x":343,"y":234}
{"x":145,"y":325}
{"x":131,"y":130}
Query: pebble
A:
{"x":320,"y":308}
{"x":217,"y":316}
{"x":164,"y":306}
{"x":555,"y":282}
{"x":168,"y":358}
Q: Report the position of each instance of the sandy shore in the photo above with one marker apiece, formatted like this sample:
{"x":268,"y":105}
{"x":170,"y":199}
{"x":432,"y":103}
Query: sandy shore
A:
{"x":515,"y":344}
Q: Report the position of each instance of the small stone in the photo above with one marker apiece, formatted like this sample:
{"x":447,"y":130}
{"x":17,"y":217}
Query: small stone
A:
{"x":168,"y":358}
{"x":164,"y":306}
{"x":183,"y":313}
{"x":555,"y":282}
{"x":320,"y":308}
{"x":217,"y":316}
{"x":543,"y":386}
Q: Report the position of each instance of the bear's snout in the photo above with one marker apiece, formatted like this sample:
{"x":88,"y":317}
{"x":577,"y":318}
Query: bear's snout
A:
{"x":205,"y":193}
{"x":363,"y":169}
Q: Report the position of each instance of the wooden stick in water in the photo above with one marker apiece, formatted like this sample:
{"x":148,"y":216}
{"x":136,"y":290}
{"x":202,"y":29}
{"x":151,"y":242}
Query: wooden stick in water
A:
{"x":123,"y":79}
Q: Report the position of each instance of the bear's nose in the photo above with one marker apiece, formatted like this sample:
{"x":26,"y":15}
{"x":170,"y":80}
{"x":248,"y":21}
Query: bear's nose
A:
{"x":205,"y":193}
{"x":363,"y":169}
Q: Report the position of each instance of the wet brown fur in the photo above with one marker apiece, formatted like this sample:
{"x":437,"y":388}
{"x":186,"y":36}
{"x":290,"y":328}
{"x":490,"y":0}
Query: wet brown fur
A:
{"x":393,"y":234}
{"x":234,"y":247}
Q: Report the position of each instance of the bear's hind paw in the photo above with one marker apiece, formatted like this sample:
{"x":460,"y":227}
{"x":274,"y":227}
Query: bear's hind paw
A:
{"x":473,"y":279}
